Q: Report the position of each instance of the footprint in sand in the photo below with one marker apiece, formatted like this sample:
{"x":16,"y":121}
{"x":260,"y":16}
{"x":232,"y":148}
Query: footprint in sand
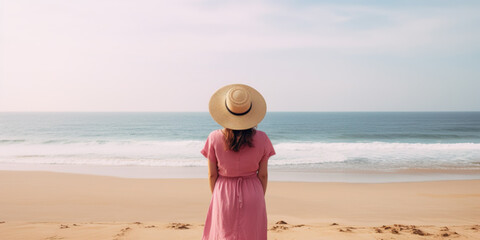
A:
{"x":346,"y":229}
{"x":279,"y":226}
{"x":63,"y":226}
{"x":402,"y":227}
{"x":447,"y":233}
{"x":122,"y":233}
{"x":179,"y":225}
{"x":420,"y":232}
{"x":395,"y":229}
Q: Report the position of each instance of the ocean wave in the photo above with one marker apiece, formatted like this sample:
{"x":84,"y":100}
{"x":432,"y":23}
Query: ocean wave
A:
{"x":395,"y":154}
{"x":393,"y":136}
{"x":463,"y":129}
{"x":187,"y":153}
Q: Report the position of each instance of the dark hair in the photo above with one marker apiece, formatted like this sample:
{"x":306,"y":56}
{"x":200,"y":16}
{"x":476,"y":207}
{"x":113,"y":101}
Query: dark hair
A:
{"x":235,"y":139}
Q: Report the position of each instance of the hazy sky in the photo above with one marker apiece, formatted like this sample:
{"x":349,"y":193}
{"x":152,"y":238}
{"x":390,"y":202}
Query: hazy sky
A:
{"x":150,"y":55}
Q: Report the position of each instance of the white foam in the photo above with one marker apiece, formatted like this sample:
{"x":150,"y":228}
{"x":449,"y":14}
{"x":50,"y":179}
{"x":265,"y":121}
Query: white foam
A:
{"x":187,"y":153}
{"x":382,"y":152}
{"x":147,"y":153}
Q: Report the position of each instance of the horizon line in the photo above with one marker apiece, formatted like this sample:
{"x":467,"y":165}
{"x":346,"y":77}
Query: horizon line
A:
{"x":360,"y":111}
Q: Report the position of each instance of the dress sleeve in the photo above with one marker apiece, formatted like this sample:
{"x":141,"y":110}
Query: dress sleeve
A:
{"x":269,"y":150}
{"x":208,"y":150}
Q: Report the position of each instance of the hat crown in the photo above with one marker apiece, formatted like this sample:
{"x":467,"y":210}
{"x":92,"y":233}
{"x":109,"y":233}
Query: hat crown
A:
{"x":238,"y":100}
{"x":237,"y":106}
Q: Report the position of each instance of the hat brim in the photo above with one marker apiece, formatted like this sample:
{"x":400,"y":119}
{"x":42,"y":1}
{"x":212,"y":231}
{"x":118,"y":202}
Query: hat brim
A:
{"x":222,"y":116}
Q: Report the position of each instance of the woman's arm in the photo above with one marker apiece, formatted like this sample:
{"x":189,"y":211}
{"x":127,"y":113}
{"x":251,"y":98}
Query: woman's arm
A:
{"x":263,"y":174}
{"x":212,"y":174}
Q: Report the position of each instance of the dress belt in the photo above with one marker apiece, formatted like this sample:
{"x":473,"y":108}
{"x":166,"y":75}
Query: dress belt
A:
{"x":239,"y":192}
{"x":239,"y":189}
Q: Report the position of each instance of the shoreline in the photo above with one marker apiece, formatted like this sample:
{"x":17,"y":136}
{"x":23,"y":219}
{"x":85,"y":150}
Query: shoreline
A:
{"x":46,"y":205}
{"x":276,"y":174}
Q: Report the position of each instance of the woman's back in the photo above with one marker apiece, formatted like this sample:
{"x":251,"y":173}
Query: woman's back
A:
{"x":245,"y":162}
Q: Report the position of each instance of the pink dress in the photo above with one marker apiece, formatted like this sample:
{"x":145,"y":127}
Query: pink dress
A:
{"x":237,"y":210}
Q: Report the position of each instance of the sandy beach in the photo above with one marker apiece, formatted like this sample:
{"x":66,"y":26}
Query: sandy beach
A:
{"x":45,"y":205}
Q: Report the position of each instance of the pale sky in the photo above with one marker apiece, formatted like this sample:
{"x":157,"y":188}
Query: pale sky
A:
{"x":150,"y":55}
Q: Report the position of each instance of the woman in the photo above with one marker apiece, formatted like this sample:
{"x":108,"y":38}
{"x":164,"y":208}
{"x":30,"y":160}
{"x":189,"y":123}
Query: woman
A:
{"x":237,"y":162}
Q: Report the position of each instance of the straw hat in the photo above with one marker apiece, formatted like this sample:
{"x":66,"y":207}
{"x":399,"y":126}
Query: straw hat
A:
{"x":237,"y":106}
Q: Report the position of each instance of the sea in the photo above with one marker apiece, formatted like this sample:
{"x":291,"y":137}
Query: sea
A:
{"x":310,"y":146}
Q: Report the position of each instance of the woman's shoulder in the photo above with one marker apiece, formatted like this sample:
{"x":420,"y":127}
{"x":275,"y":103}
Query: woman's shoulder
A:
{"x":215,"y":133}
{"x":261,"y":134}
